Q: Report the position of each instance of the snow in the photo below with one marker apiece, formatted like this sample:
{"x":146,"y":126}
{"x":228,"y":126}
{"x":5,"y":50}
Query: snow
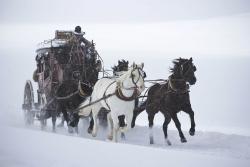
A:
{"x":24,"y":147}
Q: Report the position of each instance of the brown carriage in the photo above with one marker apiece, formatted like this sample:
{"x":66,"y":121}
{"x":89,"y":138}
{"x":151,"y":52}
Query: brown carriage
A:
{"x":67,"y":69}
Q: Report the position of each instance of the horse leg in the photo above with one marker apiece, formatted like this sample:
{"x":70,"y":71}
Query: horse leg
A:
{"x":76,"y":119}
{"x":65,"y":114}
{"x":190,"y":112}
{"x":137,"y":111}
{"x":165,"y":128}
{"x":91,"y":124}
{"x":178,"y":126}
{"x":77,"y":129}
{"x":58,"y":111}
{"x":95,"y":112}
{"x":150,"y":124}
{"x":115,"y":127}
{"x":122,"y":125}
{"x":129,"y":118}
{"x":133,"y":121}
{"x":115,"y":130}
{"x":111,"y":126}
{"x":61,"y":124}
{"x":53,"y":116}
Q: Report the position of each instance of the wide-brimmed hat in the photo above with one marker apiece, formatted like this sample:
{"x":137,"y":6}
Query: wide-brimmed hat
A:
{"x":78,"y":30}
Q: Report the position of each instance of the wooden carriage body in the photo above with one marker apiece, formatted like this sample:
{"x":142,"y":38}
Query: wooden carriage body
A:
{"x":66,"y":68}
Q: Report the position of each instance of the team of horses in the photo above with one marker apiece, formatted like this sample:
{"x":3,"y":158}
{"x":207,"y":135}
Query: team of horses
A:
{"x":119,"y":96}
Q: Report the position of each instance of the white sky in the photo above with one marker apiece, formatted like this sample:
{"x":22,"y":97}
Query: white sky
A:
{"x":72,"y":11}
{"x":218,"y":37}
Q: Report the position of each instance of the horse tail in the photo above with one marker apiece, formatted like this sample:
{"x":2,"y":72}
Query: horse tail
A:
{"x":142,"y":106}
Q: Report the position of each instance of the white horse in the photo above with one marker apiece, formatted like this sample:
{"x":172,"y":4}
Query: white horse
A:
{"x":122,"y":92}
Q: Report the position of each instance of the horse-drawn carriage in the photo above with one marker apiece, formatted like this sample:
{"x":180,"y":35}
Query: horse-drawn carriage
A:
{"x":67,"y":76}
{"x":67,"y":69}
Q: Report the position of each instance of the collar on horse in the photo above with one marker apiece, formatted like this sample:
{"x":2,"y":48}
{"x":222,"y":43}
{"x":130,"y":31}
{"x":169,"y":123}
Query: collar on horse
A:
{"x":172,"y":86}
{"x":120,"y":95}
{"x":136,"y":93}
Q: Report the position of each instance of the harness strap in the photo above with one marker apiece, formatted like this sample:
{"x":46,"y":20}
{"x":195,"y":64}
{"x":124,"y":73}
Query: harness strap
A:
{"x":120,"y":95}
{"x":67,"y":97}
{"x":104,"y":95}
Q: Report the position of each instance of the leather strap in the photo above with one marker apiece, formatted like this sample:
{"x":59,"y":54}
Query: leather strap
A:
{"x":120,"y":95}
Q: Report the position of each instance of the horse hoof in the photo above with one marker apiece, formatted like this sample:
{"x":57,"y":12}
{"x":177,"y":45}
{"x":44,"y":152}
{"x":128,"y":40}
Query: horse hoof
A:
{"x":110,"y":137}
{"x":183,"y":140}
{"x":70,"y":130}
{"x":60,"y":125}
{"x":168,"y":142}
{"x":151,"y":140}
{"x":89,"y":131}
{"x":94,"y":134}
{"x":191,"y":132}
{"x":132,"y":125}
{"x":123,"y":136}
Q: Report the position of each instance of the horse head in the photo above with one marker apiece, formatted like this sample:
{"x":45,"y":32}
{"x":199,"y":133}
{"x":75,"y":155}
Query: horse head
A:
{"x":184,"y":69}
{"x":133,"y":78}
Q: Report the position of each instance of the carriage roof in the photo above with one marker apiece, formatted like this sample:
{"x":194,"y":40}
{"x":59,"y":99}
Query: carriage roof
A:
{"x":61,"y":39}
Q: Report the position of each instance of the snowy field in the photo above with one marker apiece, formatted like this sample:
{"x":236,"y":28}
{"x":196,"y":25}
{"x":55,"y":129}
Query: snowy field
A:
{"x":33,"y":147}
{"x":28,"y":147}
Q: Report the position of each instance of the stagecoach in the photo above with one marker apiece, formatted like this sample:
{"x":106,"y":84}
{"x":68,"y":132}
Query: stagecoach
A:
{"x":66,"y":72}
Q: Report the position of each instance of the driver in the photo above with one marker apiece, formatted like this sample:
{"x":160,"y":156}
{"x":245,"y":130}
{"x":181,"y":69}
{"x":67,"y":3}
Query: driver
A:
{"x":79,"y":34}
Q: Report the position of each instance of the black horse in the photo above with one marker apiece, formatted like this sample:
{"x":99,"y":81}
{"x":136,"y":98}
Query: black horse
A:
{"x":171,"y":98}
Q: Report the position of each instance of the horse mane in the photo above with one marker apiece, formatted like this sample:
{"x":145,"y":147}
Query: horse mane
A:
{"x":177,"y":63}
{"x":122,"y":66}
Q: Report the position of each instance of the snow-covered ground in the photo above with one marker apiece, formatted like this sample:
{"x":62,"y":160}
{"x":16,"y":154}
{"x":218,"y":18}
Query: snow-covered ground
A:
{"x":29,"y":147}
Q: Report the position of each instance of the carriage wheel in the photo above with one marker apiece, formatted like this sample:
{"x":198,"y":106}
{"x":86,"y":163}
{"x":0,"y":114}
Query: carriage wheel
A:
{"x":28,"y":103}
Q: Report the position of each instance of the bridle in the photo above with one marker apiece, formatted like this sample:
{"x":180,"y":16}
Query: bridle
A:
{"x":120,"y":85}
{"x":140,"y":75}
{"x":190,"y":67}
{"x":183,"y":75}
